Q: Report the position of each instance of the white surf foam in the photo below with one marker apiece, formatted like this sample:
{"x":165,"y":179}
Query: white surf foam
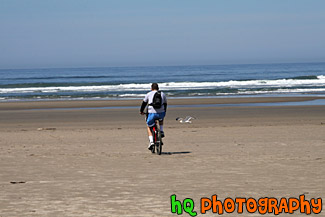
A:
{"x":169,"y":86}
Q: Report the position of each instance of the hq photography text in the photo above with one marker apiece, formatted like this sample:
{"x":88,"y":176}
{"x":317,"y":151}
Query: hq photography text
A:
{"x":261,"y":205}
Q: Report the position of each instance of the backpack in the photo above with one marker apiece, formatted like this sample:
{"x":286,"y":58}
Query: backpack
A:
{"x":157,"y":100}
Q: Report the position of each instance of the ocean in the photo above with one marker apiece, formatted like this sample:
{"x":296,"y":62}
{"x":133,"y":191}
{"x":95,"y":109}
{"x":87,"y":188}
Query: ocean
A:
{"x":294,"y":79}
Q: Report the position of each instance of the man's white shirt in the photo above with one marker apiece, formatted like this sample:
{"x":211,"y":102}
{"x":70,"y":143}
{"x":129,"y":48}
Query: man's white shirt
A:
{"x":149,"y":98}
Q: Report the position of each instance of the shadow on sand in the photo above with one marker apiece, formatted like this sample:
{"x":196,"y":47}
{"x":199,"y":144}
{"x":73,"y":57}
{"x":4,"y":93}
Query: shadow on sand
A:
{"x":179,"y":152}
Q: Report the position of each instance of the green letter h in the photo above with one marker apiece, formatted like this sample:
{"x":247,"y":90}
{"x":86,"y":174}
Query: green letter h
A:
{"x":175,"y":203}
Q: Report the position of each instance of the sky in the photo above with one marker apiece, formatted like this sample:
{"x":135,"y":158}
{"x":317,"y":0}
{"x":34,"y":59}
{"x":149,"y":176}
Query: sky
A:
{"x":98,"y":33}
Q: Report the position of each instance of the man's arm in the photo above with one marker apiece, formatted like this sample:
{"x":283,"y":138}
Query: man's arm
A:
{"x":143,"y":106}
{"x":165,"y":103}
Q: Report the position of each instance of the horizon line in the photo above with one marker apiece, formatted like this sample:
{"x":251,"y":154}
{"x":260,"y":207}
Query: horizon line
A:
{"x":144,"y":66}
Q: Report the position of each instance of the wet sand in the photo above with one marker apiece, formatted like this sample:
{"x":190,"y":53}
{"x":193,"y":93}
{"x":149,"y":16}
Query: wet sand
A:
{"x":95,"y":162}
{"x":23,"y":105}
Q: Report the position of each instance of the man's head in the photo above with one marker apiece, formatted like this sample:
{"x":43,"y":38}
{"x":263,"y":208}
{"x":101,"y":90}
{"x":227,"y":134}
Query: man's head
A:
{"x":154,"y":86}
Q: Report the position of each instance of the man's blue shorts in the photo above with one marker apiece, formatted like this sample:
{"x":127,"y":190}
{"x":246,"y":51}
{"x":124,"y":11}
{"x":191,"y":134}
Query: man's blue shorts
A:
{"x":154,"y":116}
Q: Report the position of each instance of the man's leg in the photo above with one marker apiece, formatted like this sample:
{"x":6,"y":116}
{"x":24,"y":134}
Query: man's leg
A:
{"x":161,"y":124}
{"x":150,"y":138}
{"x":149,"y":131}
{"x":150,"y":121}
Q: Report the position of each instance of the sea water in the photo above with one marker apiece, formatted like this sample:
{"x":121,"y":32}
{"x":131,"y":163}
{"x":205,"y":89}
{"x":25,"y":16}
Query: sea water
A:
{"x":294,"y":79}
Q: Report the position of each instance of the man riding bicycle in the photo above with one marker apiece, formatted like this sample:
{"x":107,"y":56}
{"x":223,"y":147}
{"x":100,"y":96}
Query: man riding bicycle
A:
{"x":157,"y":107}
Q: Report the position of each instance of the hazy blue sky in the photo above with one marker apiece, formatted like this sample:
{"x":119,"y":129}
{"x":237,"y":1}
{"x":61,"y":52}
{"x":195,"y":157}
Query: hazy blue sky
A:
{"x":76,"y":33}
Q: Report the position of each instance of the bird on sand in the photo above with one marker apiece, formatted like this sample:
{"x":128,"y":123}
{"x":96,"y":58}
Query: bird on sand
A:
{"x":187,"y":119}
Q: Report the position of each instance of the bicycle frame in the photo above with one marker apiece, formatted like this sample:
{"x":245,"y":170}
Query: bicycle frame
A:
{"x":154,"y":130}
{"x":156,"y":133}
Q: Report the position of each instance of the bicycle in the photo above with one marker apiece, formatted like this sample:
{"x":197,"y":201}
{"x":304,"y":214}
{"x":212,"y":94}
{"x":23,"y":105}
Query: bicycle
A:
{"x":157,"y":139}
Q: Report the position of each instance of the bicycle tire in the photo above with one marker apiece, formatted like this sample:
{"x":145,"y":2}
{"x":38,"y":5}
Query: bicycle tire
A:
{"x":159,"y":141}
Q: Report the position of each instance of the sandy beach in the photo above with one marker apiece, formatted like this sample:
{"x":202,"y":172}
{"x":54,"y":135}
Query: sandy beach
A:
{"x":95,"y":162}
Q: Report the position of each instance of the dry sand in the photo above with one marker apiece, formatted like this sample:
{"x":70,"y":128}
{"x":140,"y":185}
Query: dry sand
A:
{"x":95,"y":162}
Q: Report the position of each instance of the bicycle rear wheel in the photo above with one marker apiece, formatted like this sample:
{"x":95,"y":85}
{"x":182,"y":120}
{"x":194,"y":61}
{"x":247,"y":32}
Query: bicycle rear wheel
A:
{"x":159,"y":141}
